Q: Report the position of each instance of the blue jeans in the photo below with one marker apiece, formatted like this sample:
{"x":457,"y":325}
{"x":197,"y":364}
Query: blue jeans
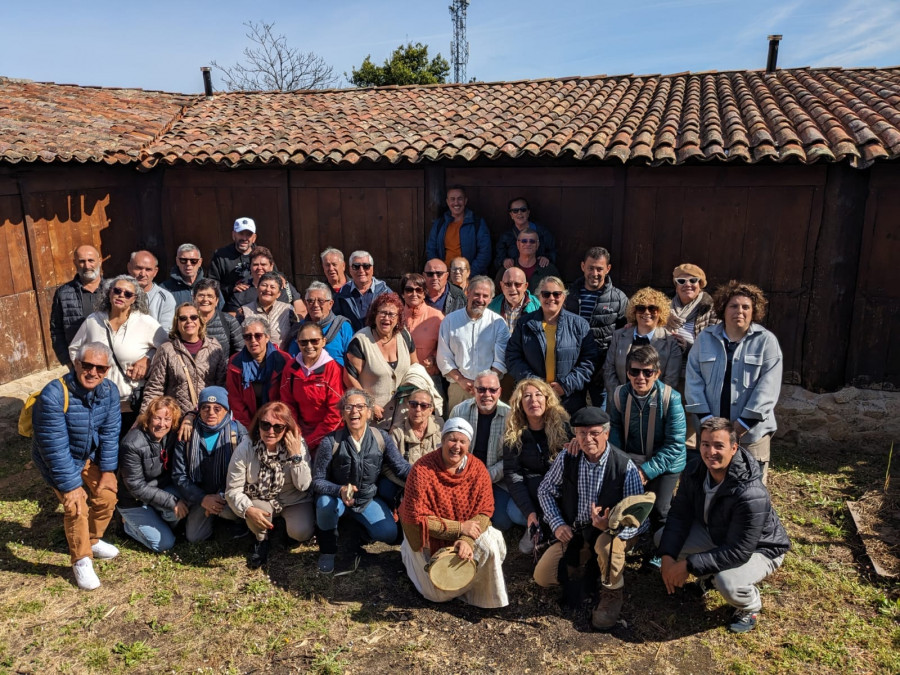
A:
{"x":376,"y":518}
{"x":501,"y":519}
{"x":148,"y":526}
{"x":388,"y":490}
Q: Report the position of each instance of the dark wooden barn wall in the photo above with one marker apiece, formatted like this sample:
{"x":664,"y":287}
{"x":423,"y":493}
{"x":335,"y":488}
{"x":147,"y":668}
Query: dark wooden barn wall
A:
{"x":820,"y":240}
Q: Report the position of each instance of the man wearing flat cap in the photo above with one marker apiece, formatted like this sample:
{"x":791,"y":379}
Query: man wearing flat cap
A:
{"x":576,"y":495}
{"x":448,"y":502}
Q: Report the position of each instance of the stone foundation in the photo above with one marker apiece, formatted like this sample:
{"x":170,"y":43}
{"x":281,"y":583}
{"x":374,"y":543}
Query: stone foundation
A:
{"x":858,"y":417}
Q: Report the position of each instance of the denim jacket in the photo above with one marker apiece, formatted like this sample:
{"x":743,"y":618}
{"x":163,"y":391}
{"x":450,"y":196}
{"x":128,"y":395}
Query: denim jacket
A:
{"x":755,"y":378}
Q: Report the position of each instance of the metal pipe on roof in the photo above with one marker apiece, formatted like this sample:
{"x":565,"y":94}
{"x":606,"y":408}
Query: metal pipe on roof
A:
{"x":772,"y":61}
{"x":207,"y":80}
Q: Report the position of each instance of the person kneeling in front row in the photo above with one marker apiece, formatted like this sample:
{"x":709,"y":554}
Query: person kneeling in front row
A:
{"x":447,"y":502}
{"x":722,"y":526}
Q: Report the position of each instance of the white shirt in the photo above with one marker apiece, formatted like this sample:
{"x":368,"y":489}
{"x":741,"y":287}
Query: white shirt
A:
{"x":472,"y":345}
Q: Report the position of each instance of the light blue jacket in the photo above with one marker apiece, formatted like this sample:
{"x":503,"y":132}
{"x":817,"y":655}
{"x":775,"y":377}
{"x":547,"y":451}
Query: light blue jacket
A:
{"x":755,"y":378}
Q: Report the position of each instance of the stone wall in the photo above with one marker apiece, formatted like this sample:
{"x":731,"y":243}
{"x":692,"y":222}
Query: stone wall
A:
{"x":861,"y":417}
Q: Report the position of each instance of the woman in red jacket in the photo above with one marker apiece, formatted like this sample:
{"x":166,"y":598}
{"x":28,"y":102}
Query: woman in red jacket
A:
{"x":312,"y":386}
{"x":253,"y":377}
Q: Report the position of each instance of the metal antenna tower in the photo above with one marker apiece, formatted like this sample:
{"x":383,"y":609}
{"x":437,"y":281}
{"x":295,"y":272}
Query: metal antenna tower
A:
{"x":459,"y":47}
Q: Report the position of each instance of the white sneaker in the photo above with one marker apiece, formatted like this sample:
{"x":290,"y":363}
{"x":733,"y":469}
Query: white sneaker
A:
{"x":104,"y":551}
{"x":526,"y":543}
{"x":85,"y":576}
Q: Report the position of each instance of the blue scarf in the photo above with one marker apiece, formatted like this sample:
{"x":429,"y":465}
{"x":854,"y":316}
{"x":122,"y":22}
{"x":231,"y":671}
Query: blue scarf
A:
{"x":223,"y":439}
{"x":253,"y":371}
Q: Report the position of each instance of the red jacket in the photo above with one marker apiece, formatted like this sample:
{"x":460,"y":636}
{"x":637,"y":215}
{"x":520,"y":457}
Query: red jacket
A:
{"x":313,"y":400}
{"x":243,"y":401}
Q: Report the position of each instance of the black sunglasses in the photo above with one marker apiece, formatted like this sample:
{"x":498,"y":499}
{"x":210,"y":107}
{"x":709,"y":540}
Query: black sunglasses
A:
{"x":637,"y":372}
{"x":308,"y":341}
{"x":487,"y":390}
{"x":189,"y":261}
{"x":268,"y":426}
{"x":128,"y":295}
{"x":519,"y":209}
{"x":641,"y":309}
{"x":413,"y":289}
{"x":528,"y":240}
{"x":555,"y":294}
{"x":192,"y":317}
{"x":87,"y":365}
{"x":253,"y":336}
{"x":435,"y":273}
{"x":423,"y":405}
{"x":361,"y":266}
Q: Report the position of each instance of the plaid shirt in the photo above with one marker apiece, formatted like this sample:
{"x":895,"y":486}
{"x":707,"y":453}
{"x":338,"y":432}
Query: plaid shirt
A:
{"x":469,"y":412}
{"x":590,"y":480}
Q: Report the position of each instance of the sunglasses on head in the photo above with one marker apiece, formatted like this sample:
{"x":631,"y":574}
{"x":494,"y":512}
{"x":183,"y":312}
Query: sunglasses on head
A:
{"x":637,"y":372}
{"x":87,"y":365}
{"x":419,"y":405}
{"x":556,"y":295}
{"x":693,"y":280}
{"x":642,"y":309}
{"x":487,"y":390}
{"x":435,"y":273}
{"x":308,"y":341}
{"x":519,"y":209}
{"x":253,"y":336}
{"x":361,"y":266}
{"x":414,"y":289}
{"x":528,"y":240}
{"x":268,"y":426}
{"x":189,"y":261}
{"x":188,"y":317}
{"x":128,"y":295}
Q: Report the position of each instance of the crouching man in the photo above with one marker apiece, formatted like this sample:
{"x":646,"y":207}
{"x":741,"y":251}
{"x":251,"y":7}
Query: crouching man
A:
{"x":722,"y":527}
{"x":76,"y":448}
{"x":576,"y":495}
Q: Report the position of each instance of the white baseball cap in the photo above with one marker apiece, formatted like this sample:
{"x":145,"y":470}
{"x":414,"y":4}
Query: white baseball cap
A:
{"x":242,"y":224}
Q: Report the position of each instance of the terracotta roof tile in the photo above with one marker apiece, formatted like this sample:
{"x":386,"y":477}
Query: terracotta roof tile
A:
{"x":803,"y":115}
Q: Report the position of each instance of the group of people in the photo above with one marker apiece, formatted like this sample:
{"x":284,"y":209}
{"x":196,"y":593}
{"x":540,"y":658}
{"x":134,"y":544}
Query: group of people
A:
{"x":233,"y":398}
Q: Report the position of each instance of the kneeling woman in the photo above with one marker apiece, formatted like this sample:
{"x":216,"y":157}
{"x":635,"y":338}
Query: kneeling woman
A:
{"x":270,"y":478}
{"x":448,"y":498}
{"x":148,"y":500}
{"x":345,"y":476}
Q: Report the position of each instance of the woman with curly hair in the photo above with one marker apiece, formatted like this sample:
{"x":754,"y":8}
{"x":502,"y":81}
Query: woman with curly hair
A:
{"x":734,"y":369}
{"x":380,"y":354}
{"x":122,"y":322}
{"x":647,"y":313}
{"x":536,"y":430}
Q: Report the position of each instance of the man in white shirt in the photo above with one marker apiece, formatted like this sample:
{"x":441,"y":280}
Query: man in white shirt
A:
{"x":471,"y":339}
{"x":143,"y":266}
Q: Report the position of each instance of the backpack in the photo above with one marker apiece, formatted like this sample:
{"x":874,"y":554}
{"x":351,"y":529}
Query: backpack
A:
{"x":343,"y":434}
{"x":26,"y":427}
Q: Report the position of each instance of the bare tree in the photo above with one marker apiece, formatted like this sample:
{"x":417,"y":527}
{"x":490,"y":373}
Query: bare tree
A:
{"x":271,"y":64}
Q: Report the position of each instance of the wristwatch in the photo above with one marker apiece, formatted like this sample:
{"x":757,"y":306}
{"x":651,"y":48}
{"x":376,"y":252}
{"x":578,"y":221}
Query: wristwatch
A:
{"x":295,"y":459}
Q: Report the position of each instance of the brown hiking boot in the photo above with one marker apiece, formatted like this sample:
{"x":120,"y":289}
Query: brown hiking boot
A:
{"x":606,"y":613}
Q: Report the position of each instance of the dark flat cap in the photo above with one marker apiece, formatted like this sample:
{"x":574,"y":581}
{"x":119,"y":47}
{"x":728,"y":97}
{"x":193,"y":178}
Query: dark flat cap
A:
{"x":589,"y":417}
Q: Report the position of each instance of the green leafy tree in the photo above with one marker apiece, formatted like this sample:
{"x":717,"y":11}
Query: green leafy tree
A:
{"x":407,"y":65}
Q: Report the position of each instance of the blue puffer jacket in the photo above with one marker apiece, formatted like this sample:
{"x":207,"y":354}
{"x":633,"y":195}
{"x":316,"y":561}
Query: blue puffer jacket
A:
{"x":576,"y":354}
{"x":474,"y":240}
{"x":63,"y":442}
{"x":668,"y":433}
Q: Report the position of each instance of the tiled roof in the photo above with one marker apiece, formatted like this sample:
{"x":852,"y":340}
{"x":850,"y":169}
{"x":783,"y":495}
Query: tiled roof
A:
{"x":59,"y":122}
{"x":799,"y":115}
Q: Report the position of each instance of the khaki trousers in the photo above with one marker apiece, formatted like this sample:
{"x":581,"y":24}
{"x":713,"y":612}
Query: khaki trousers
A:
{"x":547,"y":570}
{"x":455,"y":395}
{"x":85,"y":530}
{"x":299,"y":520}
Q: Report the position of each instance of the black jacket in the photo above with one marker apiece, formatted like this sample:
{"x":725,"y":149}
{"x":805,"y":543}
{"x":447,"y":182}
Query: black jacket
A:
{"x":524,"y":470}
{"x":742,"y":520}
{"x":229,"y":266}
{"x":608,"y":314}
{"x":226,"y":330}
{"x":141,"y":472}
{"x":179,"y":288}
{"x":67,"y":315}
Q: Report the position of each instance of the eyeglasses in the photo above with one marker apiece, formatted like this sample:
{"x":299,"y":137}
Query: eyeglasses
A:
{"x":513,"y":284}
{"x":254,"y":336}
{"x":189,"y":261}
{"x":268,"y":426}
{"x":419,"y":405}
{"x":191,"y":317}
{"x":128,"y":295}
{"x":361,"y":266}
{"x":459,"y":269}
{"x":435,"y":273}
{"x":643,"y":309}
{"x":528,"y":240}
{"x":387,"y":315}
{"x":318,"y":301}
{"x":350,"y":407}
{"x":413,"y":289}
{"x":637,"y":372}
{"x":88,"y":366}
{"x":519,"y":209}
{"x":556,"y":295}
{"x":309,"y":341}
{"x":693,"y":281}
{"x":487,"y":390}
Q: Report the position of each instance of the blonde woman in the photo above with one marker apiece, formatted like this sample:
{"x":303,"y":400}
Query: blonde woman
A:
{"x":536,"y":430}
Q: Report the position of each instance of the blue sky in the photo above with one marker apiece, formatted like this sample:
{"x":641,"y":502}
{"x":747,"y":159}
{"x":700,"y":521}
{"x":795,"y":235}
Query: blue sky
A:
{"x":161,"y":44}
